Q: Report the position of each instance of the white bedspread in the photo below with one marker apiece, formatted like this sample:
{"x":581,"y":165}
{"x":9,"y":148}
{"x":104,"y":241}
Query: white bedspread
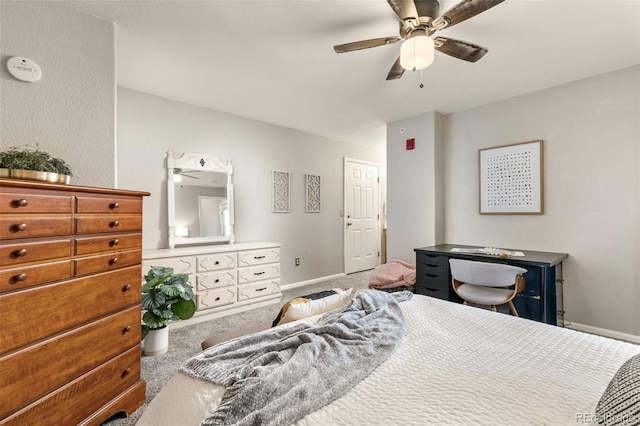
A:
{"x":457,"y":365}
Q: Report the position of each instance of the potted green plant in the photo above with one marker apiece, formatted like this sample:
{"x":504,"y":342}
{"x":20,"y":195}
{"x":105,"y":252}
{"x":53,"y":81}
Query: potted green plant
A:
{"x":165,"y":297}
{"x":31,"y":163}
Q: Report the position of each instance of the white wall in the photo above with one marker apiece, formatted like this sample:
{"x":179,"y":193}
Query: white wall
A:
{"x":415,"y":203}
{"x":591,"y":136}
{"x":70,"y":112}
{"x":149,"y":125}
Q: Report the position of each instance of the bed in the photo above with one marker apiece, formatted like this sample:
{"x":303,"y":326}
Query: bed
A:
{"x":455,"y":365}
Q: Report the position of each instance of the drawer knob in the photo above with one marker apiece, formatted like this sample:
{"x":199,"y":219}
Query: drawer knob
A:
{"x":20,"y":226}
{"x":114,"y":261}
{"x":258,"y":273}
{"x":21,"y":277}
{"x":261,"y":289}
{"x":217,"y":280}
{"x":126,"y":329}
{"x":125,"y":373}
{"x":217,"y":298}
{"x":115,"y":242}
{"x":217,"y":262}
{"x":21,"y":253}
{"x":258,"y":257}
{"x":114,"y":205}
{"x":115,"y":223}
{"x":126,"y":288}
{"x":22,"y":202}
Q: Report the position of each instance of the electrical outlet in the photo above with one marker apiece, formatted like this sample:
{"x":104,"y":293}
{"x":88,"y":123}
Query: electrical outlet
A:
{"x":297,"y":261}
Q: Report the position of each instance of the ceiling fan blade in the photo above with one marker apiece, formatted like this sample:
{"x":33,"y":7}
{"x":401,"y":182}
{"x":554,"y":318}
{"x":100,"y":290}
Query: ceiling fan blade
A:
{"x":396,"y":70}
{"x":459,"y":49}
{"x":365,"y":44}
{"x":462,"y":11}
{"x":404,"y":9}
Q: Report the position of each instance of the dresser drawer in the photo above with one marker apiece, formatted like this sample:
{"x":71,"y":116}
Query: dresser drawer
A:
{"x":258,"y":257}
{"x":108,"y":205}
{"x":216,"y":279}
{"x":48,"y":306}
{"x":212,"y":262}
{"x":434,"y":282}
{"x":182,"y":265}
{"x":35,"y":226}
{"x":33,"y":275}
{"x":21,"y":202}
{"x":106,"y":262}
{"x":77,"y":400}
{"x":23,"y":252}
{"x":432,"y":270}
{"x":90,"y":245}
{"x":262,"y":288}
{"x":50,"y":362}
{"x":258,"y":273}
{"x":215,"y":298}
{"x":114,"y":223}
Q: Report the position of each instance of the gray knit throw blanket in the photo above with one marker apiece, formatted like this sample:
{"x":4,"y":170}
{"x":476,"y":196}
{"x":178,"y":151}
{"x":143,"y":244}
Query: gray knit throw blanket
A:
{"x":278,"y":376}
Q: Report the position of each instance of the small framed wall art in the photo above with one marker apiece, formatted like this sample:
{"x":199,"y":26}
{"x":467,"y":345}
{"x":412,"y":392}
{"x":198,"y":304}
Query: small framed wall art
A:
{"x":280,"y":202}
{"x":511,"y":179}
{"x":312,"y":198}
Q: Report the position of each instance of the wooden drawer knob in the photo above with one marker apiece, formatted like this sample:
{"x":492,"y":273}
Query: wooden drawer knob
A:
{"x":21,"y":253}
{"x":125,"y":373}
{"x":126,"y":329}
{"x":115,"y":223}
{"x":115,"y":242}
{"x":22,"y":202}
{"x":114,"y":261}
{"x":126,"y":288}
{"x":21,"y":277}
{"x":114,"y":205}
{"x":20,"y":226}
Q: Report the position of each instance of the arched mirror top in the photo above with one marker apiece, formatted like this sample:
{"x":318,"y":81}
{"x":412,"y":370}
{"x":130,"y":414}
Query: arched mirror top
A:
{"x":200,"y":199}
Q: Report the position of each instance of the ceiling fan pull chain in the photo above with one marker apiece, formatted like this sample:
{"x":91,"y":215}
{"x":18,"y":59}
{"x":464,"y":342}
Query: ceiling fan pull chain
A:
{"x":421,"y":85}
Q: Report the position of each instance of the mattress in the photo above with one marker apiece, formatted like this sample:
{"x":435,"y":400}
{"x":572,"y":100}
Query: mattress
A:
{"x":456,"y":365}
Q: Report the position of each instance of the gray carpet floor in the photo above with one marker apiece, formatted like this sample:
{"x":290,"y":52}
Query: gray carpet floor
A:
{"x":184,"y":342}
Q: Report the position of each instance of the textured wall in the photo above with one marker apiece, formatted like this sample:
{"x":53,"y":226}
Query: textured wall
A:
{"x":70,"y":112}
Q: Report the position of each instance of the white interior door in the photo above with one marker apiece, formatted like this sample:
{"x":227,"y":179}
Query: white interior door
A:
{"x":361,"y":216}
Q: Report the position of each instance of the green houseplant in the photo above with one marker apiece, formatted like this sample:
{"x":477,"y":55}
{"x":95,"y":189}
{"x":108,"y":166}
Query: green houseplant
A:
{"x":165,"y":297}
{"x":31,"y":163}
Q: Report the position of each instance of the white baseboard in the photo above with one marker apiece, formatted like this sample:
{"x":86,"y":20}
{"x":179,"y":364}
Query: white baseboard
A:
{"x":603,"y":332}
{"x":309,"y":282}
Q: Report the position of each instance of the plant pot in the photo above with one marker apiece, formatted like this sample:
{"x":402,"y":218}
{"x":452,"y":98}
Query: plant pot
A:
{"x":157,"y":342}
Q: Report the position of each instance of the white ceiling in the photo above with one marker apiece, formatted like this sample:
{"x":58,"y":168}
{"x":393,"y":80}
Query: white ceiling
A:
{"x":274,"y":61}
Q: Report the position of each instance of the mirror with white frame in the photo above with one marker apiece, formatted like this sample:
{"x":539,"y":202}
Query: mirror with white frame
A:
{"x":199,"y":199}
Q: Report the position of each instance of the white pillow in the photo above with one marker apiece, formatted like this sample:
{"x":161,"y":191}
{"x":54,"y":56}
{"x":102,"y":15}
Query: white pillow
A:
{"x":304,"y":307}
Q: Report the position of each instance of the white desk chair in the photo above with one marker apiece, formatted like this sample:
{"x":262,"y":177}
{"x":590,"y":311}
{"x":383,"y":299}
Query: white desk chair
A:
{"x":485,"y":283}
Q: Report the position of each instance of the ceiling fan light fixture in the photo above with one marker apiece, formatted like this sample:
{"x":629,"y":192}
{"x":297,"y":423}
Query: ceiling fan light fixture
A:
{"x":417,"y":52}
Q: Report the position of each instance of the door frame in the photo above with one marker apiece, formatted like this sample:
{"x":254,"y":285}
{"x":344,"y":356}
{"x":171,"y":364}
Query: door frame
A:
{"x":344,"y":209}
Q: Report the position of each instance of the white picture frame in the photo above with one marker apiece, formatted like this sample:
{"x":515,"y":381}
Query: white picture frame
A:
{"x":313,"y":193}
{"x":280,"y":199}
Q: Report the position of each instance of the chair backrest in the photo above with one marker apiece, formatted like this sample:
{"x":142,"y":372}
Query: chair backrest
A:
{"x":484,"y":273}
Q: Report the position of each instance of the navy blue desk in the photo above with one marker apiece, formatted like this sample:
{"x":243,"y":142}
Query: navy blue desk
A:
{"x":541,"y":300}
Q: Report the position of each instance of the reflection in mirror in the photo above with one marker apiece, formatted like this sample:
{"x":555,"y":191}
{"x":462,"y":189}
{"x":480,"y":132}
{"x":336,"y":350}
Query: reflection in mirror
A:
{"x":200,"y":198}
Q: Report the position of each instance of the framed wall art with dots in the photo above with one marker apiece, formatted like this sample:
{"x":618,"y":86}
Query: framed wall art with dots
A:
{"x":511,"y":179}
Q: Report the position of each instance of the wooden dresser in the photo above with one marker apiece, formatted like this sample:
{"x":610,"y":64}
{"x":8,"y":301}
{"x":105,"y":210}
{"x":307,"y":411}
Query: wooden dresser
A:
{"x":70,"y":278}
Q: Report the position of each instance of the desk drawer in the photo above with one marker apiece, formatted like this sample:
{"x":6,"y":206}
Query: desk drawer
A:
{"x":440,"y":294}
{"x":436,"y":282}
{"x":432,"y":270}
{"x":431,"y":259}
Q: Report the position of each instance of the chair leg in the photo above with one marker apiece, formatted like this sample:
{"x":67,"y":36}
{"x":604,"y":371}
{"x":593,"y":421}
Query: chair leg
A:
{"x":513,"y":309}
{"x":493,"y":308}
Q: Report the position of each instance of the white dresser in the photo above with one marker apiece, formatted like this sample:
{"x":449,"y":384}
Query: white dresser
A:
{"x":227,"y":278}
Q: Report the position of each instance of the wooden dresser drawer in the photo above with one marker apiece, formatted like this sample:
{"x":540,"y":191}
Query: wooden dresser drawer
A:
{"x":106,"y":262}
{"x":212,"y":262}
{"x":23,"y":252}
{"x":90,"y":245}
{"x":77,"y":400}
{"x":50,"y":363}
{"x":113,"y":223}
{"x":258,"y":257}
{"x":32,"y":275}
{"x":216,"y":279}
{"x":258,"y":273}
{"x":22,"y":202}
{"x":48,"y":306}
{"x":108,"y":205}
{"x":215,"y":298}
{"x":35,"y":226}
{"x":263,"y":288}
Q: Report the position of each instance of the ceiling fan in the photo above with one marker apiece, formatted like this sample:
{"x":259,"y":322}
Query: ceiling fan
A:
{"x":419,"y":19}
